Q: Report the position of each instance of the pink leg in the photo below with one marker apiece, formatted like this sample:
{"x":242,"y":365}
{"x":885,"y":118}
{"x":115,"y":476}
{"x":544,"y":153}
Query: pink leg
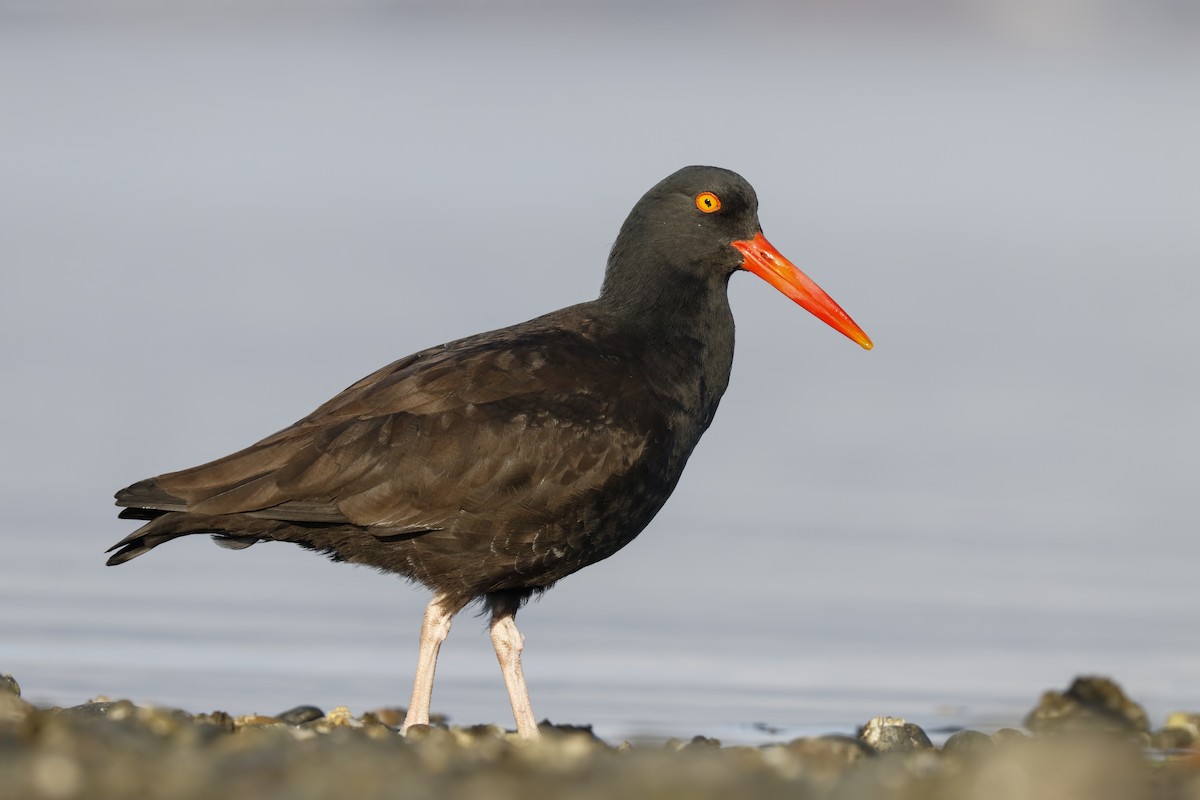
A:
{"x":434,"y":631}
{"x":509,"y":642}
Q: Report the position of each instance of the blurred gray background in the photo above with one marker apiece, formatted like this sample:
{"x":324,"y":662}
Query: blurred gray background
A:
{"x":214,"y":216}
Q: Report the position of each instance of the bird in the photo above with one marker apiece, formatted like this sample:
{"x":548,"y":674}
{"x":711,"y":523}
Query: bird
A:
{"x":487,"y":469}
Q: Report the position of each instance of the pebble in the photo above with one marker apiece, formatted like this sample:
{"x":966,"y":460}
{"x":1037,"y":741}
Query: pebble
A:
{"x":1094,"y":704}
{"x":820,"y":760}
{"x":13,"y":709}
{"x":968,"y":743}
{"x":300,"y":715}
{"x":1008,"y":735}
{"x":1185,"y":721}
{"x":341,"y":717}
{"x":1171,"y":738}
{"x":834,"y":748}
{"x":255,"y":720}
{"x":107,"y":749}
{"x":892,"y":734}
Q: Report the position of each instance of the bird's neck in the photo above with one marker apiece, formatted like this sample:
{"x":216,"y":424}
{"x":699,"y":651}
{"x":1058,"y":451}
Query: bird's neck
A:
{"x":664,"y":297}
{"x":687,"y":326}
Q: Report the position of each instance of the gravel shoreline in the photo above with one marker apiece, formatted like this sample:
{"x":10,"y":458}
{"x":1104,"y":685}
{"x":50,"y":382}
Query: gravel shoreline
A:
{"x":1089,"y":741}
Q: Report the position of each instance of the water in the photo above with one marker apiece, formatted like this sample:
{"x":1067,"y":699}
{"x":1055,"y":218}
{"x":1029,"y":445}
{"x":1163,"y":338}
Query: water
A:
{"x":211,"y":222}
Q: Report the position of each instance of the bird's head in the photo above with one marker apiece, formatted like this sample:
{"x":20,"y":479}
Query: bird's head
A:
{"x":700,"y":225}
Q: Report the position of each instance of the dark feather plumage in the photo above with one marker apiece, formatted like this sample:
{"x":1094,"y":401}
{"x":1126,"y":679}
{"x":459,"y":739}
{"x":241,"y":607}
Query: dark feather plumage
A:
{"x":505,"y":461}
{"x":491,"y":467}
{"x":500,"y":462}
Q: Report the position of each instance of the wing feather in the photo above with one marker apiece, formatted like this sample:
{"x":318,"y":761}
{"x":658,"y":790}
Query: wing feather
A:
{"x":490,"y":428}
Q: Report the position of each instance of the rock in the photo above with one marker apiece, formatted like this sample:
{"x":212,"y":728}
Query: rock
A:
{"x":100,"y":709}
{"x":1188,"y":721}
{"x":909,"y":774}
{"x":373,"y":718}
{"x":254,"y":720}
{"x":13,"y":708}
{"x":1171,"y":739}
{"x":217,"y":719}
{"x":300,"y":715}
{"x":116,"y":750}
{"x":417,"y":732}
{"x":548,"y":728}
{"x":893,"y":734}
{"x":341,"y":716}
{"x":1091,"y":704}
{"x":474,"y":734}
{"x":703,"y":742}
{"x":821,"y":760}
{"x":968,"y":743}
{"x":55,"y":775}
{"x":9,"y":684}
{"x":164,"y":721}
{"x":391,"y":716}
{"x":834,"y":748}
{"x":1058,"y":768}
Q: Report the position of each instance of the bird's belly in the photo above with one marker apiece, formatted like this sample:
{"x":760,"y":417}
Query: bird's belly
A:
{"x":477,"y":556}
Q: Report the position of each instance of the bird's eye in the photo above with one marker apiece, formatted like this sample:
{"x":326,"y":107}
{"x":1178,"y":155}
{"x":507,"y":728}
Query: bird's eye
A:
{"x":708,"y":202}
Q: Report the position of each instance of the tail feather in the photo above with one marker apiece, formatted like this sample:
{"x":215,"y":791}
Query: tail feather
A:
{"x":140,"y":513}
{"x":147,"y":496}
{"x":235,"y":531}
{"x":161,"y":529}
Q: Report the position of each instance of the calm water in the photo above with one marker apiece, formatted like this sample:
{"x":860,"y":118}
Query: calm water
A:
{"x":211,"y":223}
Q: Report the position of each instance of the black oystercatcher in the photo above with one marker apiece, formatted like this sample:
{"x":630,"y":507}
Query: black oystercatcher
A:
{"x":490,"y":467}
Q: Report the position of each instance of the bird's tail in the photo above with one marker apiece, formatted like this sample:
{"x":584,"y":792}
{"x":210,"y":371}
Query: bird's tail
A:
{"x":167,"y":519}
{"x":165,"y":526}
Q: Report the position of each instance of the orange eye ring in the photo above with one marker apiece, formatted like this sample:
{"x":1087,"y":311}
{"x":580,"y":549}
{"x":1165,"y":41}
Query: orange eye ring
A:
{"x":708,"y":202}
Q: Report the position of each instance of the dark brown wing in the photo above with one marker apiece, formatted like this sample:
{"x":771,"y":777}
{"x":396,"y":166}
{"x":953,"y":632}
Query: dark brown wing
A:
{"x":489,"y":427}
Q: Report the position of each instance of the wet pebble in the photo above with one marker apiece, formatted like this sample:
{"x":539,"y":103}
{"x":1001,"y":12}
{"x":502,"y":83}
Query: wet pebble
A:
{"x":900,"y":773}
{"x":255,"y":721}
{"x":1008,"y":735}
{"x":13,"y":709}
{"x":891,"y":734}
{"x":833,"y":749}
{"x":1090,"y":704}
{"x":1186,"y":721}
{"x":968,"y":743}
{"x":1171,"y":739}
{"x":300,"y":715}
{"x":704,"y":742}
{"x":217,"y":719}
{"x":109,"y":749}
{"x":100,"y":709}
{"x":1062,"y":767}
{"x":820,"y":760}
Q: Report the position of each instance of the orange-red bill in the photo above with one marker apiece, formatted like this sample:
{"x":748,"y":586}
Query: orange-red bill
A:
{"x":761,"y":258}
